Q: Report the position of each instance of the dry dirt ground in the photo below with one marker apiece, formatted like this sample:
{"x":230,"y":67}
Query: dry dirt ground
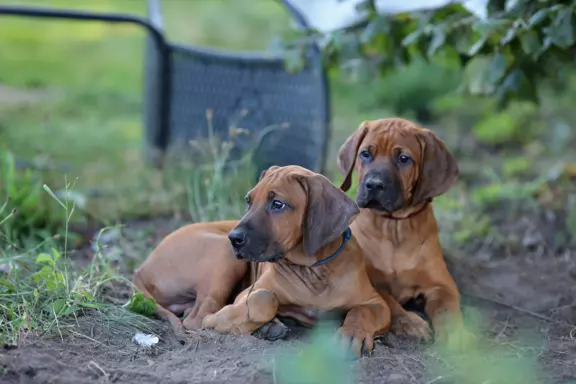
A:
{"x":96,"y":352}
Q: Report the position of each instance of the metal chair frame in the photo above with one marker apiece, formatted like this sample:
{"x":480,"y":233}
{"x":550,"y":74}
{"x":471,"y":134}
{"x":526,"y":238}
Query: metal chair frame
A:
{"x":159,"y":71}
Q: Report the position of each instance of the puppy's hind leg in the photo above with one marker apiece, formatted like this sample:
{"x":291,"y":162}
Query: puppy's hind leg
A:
{"x":205,"y":305}
{"x":214,"y":292}
{"x":162,"y":312}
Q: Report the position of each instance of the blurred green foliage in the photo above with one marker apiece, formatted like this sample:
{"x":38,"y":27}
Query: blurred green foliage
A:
{"x":489,"y":359}
{"x":505,"y":55}
{"x":322,"y":360}
{"x":411,"y":90}
{"x":33,"y":217}
{"x":518,"y":123}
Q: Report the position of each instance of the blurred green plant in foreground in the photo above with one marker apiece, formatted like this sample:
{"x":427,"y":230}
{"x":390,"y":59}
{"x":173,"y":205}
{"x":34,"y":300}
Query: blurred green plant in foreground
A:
{"x":322,"y":361}
{"x":482,"y":360}
{"x":488,"y":360}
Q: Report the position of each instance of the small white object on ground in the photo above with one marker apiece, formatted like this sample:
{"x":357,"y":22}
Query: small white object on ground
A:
{"x":145,"y":340}
{"x":6,"y":267}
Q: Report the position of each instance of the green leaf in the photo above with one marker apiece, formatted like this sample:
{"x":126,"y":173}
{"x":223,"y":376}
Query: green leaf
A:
{"x":7,"y":287}
{"x":379,"y":25}
{"x":489,"y":26}
{"x":498,"y":67}
{"x":366,"y":6}
{"x":44,"y":258}
{"x":513,"y":81}
{"x":70,"y":310}
{"x":438,"y":39}
{"x":476,"y":73}
{"x":56,"y":254}
{"x":412,"y":37}
{"x":530,"y":42}
{"x":58,"y":306}
{"x":538,"y":17}
{"x":47,"y":189}
{"x":142,"y":304}
{"x":562,"y":31}
{"x":477,"y":47}
{"x":510,"y":35}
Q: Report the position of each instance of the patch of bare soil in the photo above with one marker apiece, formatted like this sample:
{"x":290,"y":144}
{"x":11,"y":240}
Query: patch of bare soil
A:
{"x":93,"y":353}
{"x":531,"y":266}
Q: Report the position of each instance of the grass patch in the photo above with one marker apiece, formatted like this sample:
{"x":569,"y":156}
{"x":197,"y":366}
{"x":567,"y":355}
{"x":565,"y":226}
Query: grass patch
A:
{"x":42,"y":293}
{"x":27,"y":216}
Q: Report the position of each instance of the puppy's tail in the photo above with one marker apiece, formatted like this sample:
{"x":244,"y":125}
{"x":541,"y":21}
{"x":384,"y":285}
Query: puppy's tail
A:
{"x":162,"y":312}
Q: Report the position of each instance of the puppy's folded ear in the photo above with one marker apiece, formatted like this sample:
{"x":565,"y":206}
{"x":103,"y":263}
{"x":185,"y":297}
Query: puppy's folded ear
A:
{"x":439,"y":170}
{"x":347,"y":155}
{"x":329,"y":212}
{"x":264,"y":172}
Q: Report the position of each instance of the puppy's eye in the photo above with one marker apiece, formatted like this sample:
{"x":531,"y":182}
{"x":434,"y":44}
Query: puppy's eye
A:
{"x":248,"y":200}
{"x":404,"y":159}
{"x":365,"y":155}
{"x":277,"y":205}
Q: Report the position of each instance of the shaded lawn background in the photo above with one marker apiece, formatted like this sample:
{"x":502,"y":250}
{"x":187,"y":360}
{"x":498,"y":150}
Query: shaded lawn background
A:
{"x":71,"y":95}
{"x":90,"y":75}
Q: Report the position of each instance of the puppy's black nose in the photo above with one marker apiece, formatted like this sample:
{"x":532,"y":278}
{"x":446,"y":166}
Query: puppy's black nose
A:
{"x":237,"y":238}
{"x":373,"y":184}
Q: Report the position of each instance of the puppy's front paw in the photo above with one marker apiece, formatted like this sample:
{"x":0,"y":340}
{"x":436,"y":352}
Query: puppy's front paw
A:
{"x":192,"y":323}
{"x":357,"y":340}
{"x":272,"y":331}
{"x":209,"y":322}
{"x":411,"y":325}
{"x":217,"y":323}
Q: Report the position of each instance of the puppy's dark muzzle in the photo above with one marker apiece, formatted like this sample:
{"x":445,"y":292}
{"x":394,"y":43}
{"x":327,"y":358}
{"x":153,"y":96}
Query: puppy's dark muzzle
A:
{"x":250,"y":245}
{"x":238,"y":239}
{"x":380,"y":190}
{"x":374,"y":185}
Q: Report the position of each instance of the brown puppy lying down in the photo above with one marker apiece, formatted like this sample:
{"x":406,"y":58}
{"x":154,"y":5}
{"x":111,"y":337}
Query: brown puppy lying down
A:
{"x":401,"y":167}
{"x":297,"y":224}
